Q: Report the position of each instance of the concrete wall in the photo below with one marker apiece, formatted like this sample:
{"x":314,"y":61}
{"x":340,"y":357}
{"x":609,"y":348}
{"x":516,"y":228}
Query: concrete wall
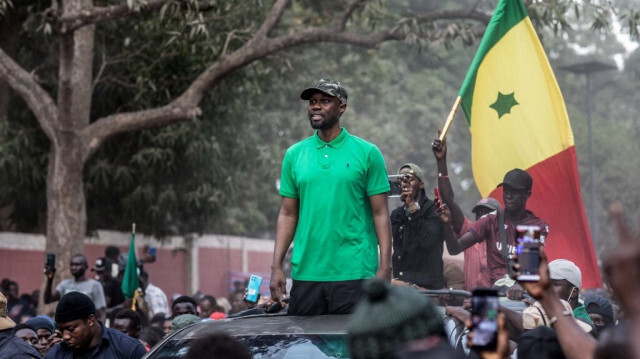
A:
{"x":214,"y":259}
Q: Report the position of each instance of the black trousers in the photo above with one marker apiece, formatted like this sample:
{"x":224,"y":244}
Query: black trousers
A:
{"x":316,"y":298}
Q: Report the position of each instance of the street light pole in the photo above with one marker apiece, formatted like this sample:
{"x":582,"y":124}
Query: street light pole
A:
{"x":588,"y":68}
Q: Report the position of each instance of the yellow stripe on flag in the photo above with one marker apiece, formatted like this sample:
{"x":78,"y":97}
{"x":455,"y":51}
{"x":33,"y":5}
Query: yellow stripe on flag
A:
{"x":519,"y":117}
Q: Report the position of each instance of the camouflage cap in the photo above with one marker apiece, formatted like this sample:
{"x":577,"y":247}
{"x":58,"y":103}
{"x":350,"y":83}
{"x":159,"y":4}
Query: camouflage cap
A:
{"x":327,"y":87}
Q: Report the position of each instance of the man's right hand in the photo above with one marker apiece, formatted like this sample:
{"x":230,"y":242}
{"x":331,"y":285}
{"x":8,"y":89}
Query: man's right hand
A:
{"x":49,"y":272}
{"x":536,"y":289}
{"x":439,"y":148}
{"x":278,"y":285}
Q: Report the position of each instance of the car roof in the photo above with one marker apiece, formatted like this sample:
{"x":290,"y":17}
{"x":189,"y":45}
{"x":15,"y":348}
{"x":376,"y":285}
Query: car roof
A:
{"x":268,"y":324}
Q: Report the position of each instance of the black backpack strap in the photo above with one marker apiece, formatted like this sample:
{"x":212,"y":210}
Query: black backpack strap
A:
{"x":542,"y":315}
{"x":503,"y":240}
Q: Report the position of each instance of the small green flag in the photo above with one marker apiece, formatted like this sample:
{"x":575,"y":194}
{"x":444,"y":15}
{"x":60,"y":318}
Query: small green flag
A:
{"x":130,"y":280}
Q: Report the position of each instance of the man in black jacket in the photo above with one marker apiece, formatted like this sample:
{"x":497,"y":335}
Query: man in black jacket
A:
{"x":417,"y":233}
{"x":85,"y":337}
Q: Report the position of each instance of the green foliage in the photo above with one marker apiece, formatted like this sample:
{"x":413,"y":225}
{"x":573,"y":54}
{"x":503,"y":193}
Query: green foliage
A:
{"x":218,"y":173}
{"x":5,"y":5}
{"x":23,"y":164}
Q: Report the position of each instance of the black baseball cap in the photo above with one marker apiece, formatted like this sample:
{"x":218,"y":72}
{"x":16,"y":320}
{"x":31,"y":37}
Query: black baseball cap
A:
{"x":488,"y":202}
{"x":102,"y":264}
{"x":517,"y":179}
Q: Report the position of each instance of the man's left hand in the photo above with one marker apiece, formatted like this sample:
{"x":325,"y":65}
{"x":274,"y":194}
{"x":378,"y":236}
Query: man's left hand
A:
{"x":443,"y":212}
{"x":384,"y":274}
{"x":515,"y":292}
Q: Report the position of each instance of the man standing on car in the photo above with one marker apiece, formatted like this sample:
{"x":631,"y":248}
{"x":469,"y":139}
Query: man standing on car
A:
{"x":334,"y":203}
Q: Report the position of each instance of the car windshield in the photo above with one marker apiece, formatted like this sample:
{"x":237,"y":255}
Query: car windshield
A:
{"x":275,"y":346}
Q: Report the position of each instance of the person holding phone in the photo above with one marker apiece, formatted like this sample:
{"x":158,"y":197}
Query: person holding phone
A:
{"x":476,"y":271}
{"x":334,"y":206}
{"x":417,"y":231}
{"x":80,"y":283}
{"x":517,"y":185}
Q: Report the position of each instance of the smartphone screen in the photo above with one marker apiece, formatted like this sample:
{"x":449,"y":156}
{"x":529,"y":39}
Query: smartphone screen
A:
{"x":485,"y":319}
{"x":528,"y":250}
{"x":396,"y":186}
{"x":51,"y":261}
{"x":253,"y":288}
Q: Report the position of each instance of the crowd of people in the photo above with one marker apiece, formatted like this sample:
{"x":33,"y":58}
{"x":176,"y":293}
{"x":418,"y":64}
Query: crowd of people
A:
{"x":352,"y":257}
{"x":92,"y":317}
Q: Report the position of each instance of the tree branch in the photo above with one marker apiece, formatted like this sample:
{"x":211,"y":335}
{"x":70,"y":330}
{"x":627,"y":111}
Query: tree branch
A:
{"x":185,"y":107}
{"x":70,"y":23}
{"x":272,"y":19}
{"x":95,"y":134}
{"x":471,"y":14}
{"x":348,"y":12}
{"x":25,"y":85}
{"x":100,"y":14}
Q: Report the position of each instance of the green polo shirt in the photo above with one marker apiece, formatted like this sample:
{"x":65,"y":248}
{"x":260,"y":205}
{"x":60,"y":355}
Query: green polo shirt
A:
{"x":335,"y":239}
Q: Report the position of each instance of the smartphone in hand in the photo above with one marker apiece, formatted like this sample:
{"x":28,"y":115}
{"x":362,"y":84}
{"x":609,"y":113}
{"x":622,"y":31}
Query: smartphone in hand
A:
{"x":436,"y":197}
{"x":50,"y":263}
{"x":395,"y":185}
{"x":484,"y":318}
{"x":528,"y":250}
{"x":253,"y":289}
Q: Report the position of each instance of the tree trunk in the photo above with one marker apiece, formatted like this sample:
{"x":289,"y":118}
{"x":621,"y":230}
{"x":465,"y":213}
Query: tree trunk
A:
{"x":66,"y":211}
{"x":66,"y":208}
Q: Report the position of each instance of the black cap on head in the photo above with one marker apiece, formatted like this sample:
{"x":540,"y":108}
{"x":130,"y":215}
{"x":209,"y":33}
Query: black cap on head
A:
{"x":327,"y":87}
{"x":40,"y":322}
{"x":74,"y":305}
{"x":517,"y":179}
{"x":101,"y":264}
{"x":599,"y":305}
{"x":488,"y":202}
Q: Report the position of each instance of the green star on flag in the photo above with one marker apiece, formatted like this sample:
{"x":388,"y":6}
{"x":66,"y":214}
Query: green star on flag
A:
{"x":504,"y":103}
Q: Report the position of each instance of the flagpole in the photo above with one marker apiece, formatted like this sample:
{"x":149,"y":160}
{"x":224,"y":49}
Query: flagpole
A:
{"x":135,"y":293}
{"x":452,"y":114}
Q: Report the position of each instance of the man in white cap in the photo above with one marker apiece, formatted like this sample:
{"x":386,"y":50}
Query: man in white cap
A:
{"x":566,"y":280}
{"x":12,"y":347}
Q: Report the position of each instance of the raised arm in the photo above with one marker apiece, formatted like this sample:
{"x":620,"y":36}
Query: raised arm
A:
{"x":50,"y":295}
{"x":285,"y":230}
{"x":575,"y":342}
{"x":621,"y":265}
{"x":444,"y":184}
{"x":380,"y":211}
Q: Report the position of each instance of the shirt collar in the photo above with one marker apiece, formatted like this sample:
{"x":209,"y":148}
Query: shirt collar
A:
{"x":336,"y":142}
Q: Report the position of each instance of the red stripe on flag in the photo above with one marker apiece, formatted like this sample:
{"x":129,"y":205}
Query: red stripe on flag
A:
{"x":556,"y":198}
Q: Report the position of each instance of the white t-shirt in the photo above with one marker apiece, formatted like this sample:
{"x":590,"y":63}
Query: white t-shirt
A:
{"x":92,"y":288}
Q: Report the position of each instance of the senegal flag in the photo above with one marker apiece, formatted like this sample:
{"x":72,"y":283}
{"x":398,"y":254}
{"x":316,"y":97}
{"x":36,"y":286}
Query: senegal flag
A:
{"x":517,"y":119}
